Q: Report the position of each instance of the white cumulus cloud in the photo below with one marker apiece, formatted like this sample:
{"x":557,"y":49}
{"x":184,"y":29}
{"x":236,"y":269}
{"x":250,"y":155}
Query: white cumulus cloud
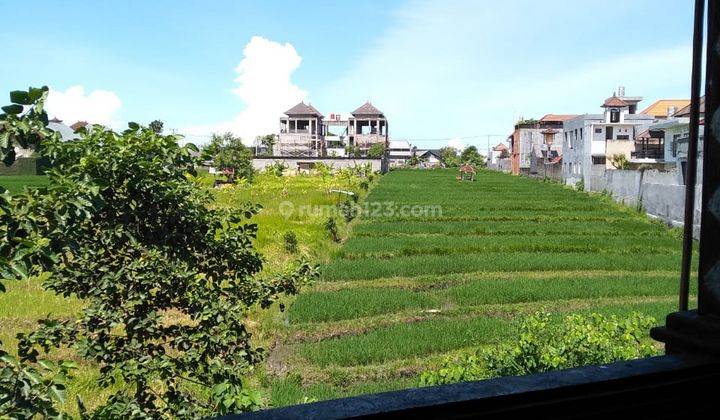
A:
{"x":96,"y":107}
{"x":265,"y":87}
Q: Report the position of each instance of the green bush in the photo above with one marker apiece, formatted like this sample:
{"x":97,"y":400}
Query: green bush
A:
{"x":291,"y":242}
{"x":331,"y":227}
{"x":580,"y":185}
{"x":542,"y":346}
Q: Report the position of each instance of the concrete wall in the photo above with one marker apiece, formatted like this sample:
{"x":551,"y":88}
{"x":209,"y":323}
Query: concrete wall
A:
{"x":660,"y":193}
{"x":260,"y":163}
{"x":501,"y":165}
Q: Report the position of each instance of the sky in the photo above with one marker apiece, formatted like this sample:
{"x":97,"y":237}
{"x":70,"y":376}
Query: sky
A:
{"x":450,"y":72}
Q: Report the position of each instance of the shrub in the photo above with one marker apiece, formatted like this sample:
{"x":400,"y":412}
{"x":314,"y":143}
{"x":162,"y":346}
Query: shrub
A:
{"x":620,"y":161}
{"x":376,"y":151}
{"x":580,"y":185}
{"x":364,"y":185}
{"x":348,"y":210}
{"x":276,"y":168}
{"x":543,"y":346}
{"x":166,"y":277}
{"x":331,"y":227}
{"x":291,"y":242}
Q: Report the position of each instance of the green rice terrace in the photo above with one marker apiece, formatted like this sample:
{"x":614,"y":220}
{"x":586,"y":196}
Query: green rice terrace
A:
{"x":408,"y":289}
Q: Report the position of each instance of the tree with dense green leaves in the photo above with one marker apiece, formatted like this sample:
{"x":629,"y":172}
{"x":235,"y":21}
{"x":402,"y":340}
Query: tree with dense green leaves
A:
{"x":471,"y":156}
{"x":376,"y":151}
{"x":228,"y":152}
{"x":156,"y":126}
{"x":450,"y":157}
{"x":167,"y":278}
{"x":27,"y":389}
{"x":352,"y":151}
{"x":269,"y":141}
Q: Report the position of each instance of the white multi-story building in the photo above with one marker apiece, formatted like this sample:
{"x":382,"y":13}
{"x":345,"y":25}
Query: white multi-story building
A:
{"x":591,"y":140}
{"x":676,"y":133}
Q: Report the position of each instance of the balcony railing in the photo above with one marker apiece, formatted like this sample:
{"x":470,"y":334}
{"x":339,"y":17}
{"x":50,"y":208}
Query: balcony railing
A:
{"x":648,"y":153}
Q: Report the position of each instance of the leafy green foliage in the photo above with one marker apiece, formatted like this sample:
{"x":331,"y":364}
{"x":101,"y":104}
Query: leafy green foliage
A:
{"x":166,"y":278}
{"x":542,"y":345}
{"x":156,"y":126}
{"x":450,"y":157}
{"x":290,"y":242}
{"x":376,"y":151}
{"x":352,"y":151}
{"x":348,"y":209}
{"x":332,"y":228}
{"x":228,"y":152}
{"x":471,"y":156}
{"x":269,"y":141}
{"x":276,"y":168}
{"x":24,"y":122}
{"x":620,"y":161}
{"x":580,"y":185}
{"x":26,"y":389}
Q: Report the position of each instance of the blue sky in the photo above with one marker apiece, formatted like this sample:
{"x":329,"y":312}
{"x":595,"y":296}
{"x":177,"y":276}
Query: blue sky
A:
{"x":457,"y":70}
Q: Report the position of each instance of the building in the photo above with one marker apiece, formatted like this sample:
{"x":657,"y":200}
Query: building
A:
{"x":665,"y":108}
{"x":529,"y":141}
{"x":430,"y":158}
{"x":676,"y":132}
{"x":498,"y":152}
{"x":399,"y":152}
{"x":367,"y":126}
{"x":591,"y":140}
{"x":304,"y":131}
{"x":301,"y":132}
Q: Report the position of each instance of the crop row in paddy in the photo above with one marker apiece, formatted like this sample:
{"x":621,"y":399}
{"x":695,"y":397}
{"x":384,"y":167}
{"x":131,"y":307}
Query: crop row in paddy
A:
{"x":387,"y":247}
{"x":452,"y":227}
{"x":370,"y":301}
{"x":372,"y":268}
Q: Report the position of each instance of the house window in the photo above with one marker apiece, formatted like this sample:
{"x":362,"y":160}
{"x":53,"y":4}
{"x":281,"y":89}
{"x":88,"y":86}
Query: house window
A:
{"x":598,"y":160}
{"x":614,"y":115}
{"x":581,"y":133}
{"x":623,"y":137}
{"x":608,"y":133}
{"x":598,"y":130}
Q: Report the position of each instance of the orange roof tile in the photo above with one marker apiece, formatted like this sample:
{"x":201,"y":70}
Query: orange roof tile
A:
{"x":558,"y":117}
{"x":613,"y":102}
{"x":660,"y":107}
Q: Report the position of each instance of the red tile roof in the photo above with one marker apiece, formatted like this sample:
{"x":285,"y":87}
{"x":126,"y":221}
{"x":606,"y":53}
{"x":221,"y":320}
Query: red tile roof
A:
{"x":78,"y":125}
{"x":500,"y":147}
{"x":614,"y":102}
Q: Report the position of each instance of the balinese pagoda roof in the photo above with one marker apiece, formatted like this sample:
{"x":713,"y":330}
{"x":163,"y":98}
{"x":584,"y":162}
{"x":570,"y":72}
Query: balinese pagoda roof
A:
{"x":303,"y":109}
{"x":367,"y":109}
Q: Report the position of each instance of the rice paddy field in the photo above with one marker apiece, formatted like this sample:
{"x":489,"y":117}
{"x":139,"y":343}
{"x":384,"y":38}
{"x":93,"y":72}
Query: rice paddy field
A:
{"x":455,"y":271}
